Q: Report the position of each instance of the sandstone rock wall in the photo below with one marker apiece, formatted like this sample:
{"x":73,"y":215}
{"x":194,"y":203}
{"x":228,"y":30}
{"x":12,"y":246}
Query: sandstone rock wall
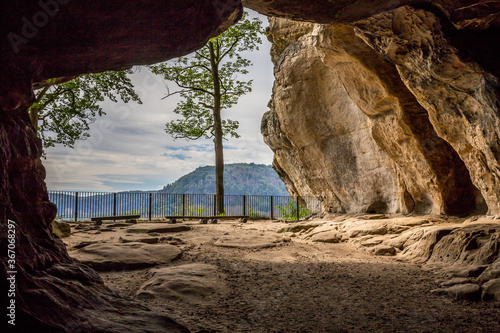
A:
{"x":384,"y":117}
{"x":460,"y":97}
{"x":331,"y":154}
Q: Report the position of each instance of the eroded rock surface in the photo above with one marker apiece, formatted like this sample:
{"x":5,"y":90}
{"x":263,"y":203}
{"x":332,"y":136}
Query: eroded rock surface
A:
{"x":109,"y":257}
{"x":394,"y":115}
{"x":467,"y":253}
{"x":445,"y":54}
{"x":248,"y":241}
{"x":473,"y":14}
{"x":191,"y":283}
{"x":148,"y":228}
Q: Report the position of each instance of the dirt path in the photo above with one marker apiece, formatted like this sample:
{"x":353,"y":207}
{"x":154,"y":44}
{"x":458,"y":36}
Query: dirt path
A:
{"x":301,"y":286}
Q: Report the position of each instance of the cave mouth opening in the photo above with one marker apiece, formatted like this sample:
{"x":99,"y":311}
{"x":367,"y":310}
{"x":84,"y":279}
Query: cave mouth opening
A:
{"x":378,"y":207}
{"x":23,"y":194}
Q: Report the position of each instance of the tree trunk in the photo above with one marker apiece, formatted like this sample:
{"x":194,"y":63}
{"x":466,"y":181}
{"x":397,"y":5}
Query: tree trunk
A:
{"x":35,"y":111}
{"x":34,"y":114}
{"x":219,"y":153}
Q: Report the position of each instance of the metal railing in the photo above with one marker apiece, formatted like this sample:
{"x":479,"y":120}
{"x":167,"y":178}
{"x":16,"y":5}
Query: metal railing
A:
{"x":85,"y":205}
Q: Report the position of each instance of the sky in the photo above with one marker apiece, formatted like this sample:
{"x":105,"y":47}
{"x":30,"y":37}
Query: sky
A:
{"x":129,"y":150}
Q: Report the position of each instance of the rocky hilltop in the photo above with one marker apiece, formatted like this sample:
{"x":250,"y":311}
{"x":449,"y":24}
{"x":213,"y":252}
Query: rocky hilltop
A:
{"x":393,"y":113}
{"x":239,"y":179}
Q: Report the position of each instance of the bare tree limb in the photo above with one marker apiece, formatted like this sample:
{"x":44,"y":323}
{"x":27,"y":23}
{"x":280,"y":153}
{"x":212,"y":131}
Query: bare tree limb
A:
{"x":230,"y":48}
{"x":206,"y":105}
{"x":175,"y":92}
{"x":54,"y":81}
{"x":201,"y":55}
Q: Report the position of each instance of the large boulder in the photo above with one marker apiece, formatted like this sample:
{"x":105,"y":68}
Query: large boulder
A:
{"x":126,"y":256}
{"x":61,"y":229}
{"x":376,"y":149}
{"x":191,"y":283}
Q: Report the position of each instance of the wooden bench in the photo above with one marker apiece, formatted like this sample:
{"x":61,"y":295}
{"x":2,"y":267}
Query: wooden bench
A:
{"x":207,"y":217}
{"x":243,"y":218}
{"x":98,"y":220}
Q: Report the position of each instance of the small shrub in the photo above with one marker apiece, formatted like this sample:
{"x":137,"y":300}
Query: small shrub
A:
{"x":289,"y":212}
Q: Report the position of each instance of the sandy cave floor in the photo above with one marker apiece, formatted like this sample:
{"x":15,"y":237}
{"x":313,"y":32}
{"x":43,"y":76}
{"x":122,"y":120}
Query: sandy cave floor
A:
{"x":300,"y":286}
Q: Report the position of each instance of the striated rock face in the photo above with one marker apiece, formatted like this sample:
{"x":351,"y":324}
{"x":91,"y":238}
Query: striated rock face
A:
{"x":323,"y":152}
{"x":466,"y":14}
{"x":55,"y":293}
{"x":387,"y":116}
{"x":460,"y":97}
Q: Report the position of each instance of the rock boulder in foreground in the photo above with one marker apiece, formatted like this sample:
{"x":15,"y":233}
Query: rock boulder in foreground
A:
{"x":128,"y":256}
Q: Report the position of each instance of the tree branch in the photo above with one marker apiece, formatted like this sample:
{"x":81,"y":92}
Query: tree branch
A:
{"x":171,"y":94}
{"x":218,"y":50}
{"x":41,"y":94}
{"x":193,"y":88}
{"x":229,"y":49}
{"x":223,"y":86}
{"x":54,"y":81}
{"x":176,"y":80}
{"x":197,"y":65}
{"x":54,"y":96}
{"x":189,"y":137}
{"x":206,"y":105}
{"x":201,"y":55}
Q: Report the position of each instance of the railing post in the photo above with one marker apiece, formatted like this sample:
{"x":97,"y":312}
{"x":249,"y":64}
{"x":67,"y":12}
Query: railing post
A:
{"x":150,"y":204}
{"x":244,"y":205}
{"x":215,"y":205}
{"x":272,"y":210}
{"x":183,"y":205}
{"x":114,"y":204}
{"x":298,"y":209}
{"x":76,"y":206}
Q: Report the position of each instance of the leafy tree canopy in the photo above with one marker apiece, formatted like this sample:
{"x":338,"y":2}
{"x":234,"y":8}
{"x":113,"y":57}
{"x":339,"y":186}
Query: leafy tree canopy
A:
{"x":208,"y":83}
{"x":63,"y":112}
{"x":197,"y":83}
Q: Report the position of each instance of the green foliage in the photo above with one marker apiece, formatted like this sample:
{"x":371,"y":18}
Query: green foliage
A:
{"x":255,"y":214}
{"x":191,"y":210}
{"x":240,"y":179}
{"x":63,"y":112}
{"x":289,"y":212}
{"x":132,"y":212}
{"x":196,"y":77}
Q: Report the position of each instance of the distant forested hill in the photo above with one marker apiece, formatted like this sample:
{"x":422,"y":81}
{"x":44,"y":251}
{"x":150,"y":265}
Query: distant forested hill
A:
{"x":240,"y":178}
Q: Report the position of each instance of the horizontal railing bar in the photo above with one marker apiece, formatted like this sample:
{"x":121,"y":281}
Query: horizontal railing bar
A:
{"x":89,"y":204}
